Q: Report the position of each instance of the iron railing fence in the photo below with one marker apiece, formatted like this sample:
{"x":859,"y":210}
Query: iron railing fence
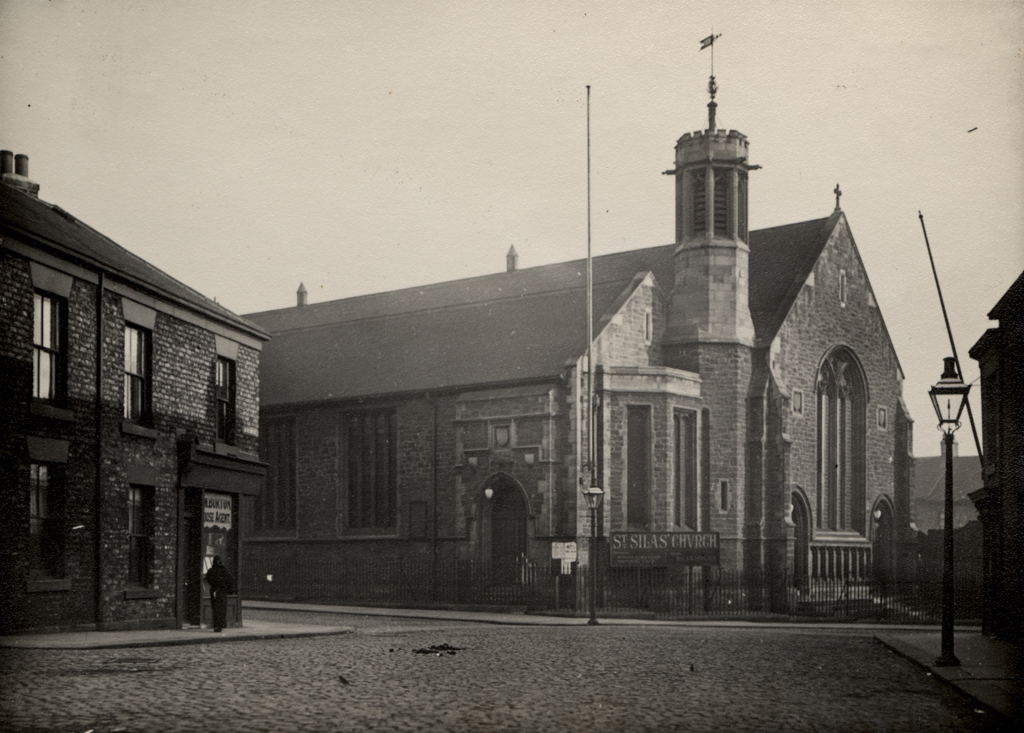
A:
{"x":409,"y":581}
{"x":709,"y":592}
{"x":687,"y":592}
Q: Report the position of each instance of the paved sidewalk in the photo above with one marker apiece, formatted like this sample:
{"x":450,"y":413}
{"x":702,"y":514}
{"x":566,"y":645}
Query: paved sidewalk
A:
{"x":991,"y":671}
{"x":253,"y":629}
{"x":524,"y":619}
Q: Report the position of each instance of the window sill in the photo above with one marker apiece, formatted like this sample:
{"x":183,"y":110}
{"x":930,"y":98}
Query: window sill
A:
{"x":135,"y":594}
{"x":130,"y":428}
{"x":45,"y":409}
{"x":48,"y":585}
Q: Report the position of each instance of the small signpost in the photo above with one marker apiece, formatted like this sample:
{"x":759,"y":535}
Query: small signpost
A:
{"x":566,"y":552}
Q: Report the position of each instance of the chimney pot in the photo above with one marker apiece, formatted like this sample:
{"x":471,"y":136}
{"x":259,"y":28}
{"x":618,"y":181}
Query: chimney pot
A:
{"x":300,"y":296}
{"x":512,"y":259}
{"x":21,"y":164}
{"x":6,"y":161}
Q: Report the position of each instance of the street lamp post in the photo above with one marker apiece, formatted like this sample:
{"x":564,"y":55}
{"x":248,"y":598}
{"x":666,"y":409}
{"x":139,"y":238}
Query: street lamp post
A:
{"x":949,"y":395}
{"x":593,"y":496}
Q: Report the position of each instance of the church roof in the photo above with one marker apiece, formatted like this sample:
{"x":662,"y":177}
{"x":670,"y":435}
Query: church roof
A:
{"x":781,"y":258}
{"x":48,"y":226}
{"x":510,"y":326}
{"x":527,"y":324}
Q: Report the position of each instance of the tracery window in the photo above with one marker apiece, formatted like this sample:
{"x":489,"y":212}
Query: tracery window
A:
{"x":840,"y":437}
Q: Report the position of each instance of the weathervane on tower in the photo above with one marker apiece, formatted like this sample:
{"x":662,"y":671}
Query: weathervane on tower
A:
{"x":712,"y":87}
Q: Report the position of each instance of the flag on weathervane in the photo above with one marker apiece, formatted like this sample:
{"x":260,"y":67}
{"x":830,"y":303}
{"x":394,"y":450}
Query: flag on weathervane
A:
{"x":709,"y":41}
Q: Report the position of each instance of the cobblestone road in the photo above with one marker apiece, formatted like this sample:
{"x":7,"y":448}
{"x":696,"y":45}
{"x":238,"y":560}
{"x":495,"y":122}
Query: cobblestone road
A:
{"x":576,"y":678}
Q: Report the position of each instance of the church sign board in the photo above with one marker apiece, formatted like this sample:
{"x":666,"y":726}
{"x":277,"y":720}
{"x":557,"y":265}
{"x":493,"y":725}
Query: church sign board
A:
{"x":661,"y":549}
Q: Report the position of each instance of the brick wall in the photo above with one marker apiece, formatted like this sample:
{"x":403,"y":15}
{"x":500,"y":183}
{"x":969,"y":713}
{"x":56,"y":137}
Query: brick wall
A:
{"x":182,"y":359}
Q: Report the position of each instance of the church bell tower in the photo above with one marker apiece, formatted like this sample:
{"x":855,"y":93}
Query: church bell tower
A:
{"x":709,"y":301}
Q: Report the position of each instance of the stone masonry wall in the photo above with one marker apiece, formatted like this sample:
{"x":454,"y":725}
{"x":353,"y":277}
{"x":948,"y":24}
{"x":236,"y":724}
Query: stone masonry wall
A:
{"x":819,"y":322}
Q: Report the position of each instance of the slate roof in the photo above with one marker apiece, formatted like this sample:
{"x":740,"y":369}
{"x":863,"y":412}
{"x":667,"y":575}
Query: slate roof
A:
{"x":929,"y":494}
{"x":48,"y":226}
{"x":493,"y":329}
{"x":781,"y":258}
{"x":930,"y":477}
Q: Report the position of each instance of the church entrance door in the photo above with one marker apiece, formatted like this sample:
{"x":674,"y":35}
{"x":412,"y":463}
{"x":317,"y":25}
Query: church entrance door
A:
{"x":508,"y":534}
{"x":882,"y":547}
{"x":802,"y":542}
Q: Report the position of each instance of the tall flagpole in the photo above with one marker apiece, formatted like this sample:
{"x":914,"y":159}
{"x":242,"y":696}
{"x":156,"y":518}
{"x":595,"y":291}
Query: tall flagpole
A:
{"x":590,"y":319}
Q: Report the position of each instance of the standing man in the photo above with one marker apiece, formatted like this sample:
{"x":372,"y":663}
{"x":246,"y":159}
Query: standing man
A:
{"x":221,"y":584}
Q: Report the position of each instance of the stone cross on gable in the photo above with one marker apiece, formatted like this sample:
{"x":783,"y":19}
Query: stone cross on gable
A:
{"x":838,"y":193}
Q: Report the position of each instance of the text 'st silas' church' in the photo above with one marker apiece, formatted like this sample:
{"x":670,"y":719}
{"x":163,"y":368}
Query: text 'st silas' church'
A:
{"x":745,"y":385}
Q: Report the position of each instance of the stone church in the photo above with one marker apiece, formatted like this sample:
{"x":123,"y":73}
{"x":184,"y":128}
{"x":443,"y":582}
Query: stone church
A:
{"x":744,"y":385}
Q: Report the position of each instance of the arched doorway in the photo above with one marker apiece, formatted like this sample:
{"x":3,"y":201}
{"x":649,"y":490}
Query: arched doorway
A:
{"x":507,"y":528}
{"x":883,"y":556}
{"x":801,"y":541}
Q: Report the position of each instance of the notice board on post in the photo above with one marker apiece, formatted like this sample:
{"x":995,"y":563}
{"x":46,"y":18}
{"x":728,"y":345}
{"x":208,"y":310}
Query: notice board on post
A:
{"x":661,"y":549}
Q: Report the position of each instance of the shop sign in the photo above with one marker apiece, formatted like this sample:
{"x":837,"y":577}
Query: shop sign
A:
{"x":216,"y":511}
{"x":660,"y":549}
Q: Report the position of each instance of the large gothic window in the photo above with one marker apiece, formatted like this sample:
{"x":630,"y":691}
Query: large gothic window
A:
{"x":842,"y":401}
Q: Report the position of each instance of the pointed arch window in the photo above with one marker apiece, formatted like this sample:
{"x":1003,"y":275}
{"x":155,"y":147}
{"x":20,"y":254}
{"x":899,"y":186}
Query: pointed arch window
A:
{"x":700,"y":200}
{"x":723,"y":184}
{"x":841,"y":407}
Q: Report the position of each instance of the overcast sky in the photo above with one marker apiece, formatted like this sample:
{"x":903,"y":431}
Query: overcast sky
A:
{"x":246,"y":146}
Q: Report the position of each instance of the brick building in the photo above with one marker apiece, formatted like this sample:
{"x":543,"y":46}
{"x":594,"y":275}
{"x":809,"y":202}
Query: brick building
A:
{"x":745,"y":385}
{"x":1000,"y":502}
{"x":123,"y":465}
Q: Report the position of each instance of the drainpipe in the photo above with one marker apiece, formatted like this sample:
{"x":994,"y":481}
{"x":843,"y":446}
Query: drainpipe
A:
{"x":98,"y":493}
